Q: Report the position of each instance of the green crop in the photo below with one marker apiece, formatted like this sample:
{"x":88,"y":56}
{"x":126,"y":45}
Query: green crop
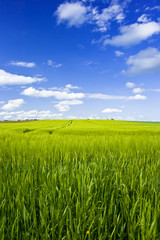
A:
{"x":79,"y":180}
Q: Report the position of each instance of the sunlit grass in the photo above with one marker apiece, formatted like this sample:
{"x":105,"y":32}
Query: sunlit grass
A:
{"x":78,"y":180}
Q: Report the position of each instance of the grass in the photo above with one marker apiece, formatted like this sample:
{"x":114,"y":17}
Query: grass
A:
{"x":80,"y":179}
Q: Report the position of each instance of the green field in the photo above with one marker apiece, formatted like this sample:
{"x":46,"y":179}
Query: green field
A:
{"x":80,"y":179}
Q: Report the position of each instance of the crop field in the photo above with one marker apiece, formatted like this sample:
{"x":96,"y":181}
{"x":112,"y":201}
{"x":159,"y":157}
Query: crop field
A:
{"x":79,"y":180}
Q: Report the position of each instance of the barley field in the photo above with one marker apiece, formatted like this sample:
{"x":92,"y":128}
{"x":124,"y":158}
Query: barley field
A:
{"x":79,"y":180}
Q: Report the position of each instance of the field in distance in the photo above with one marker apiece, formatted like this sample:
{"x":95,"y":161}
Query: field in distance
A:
{"x":80,"y":179}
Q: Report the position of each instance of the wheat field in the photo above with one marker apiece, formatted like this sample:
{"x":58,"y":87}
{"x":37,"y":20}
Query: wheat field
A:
{"x":79,"y":179}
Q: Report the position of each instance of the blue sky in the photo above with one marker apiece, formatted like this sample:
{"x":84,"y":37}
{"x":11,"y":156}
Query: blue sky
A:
{"x":95,"y":59}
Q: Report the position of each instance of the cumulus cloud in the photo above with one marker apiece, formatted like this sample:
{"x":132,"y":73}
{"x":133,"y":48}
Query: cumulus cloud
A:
{"x":70,"y":86}
{"x":119,"y":53}
{"x":138,"y":90}
{"x":23,"y":64}
{"x":74,"y":14}
{"x":64,"y":106}
{"x":77,"y":13}
{"x":14,"y":79}
{"x":134,"y":34}
{"x":111,"y":110}
{"x":113,"y":12}
{"x":12,"y":104}
{"x":109,"y":13}
{"x":145,"y":61}
{"x":137,"y":97}
{"x":65,"y":94}
{"x":67,"y":88}
{"x":50,"y":93}
{"x":130,"y":85}
{"x":33,"y":114}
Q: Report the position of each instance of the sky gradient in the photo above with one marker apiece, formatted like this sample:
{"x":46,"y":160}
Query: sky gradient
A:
{"x":96,"y":59}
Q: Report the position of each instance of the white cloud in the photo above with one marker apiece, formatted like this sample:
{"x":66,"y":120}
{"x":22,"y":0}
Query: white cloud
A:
{"x":64,"y":106}
{"x":71,"y":117}
{"x":130,"y":85}
{"x":138,"y":90}
{"x":105,"y":96}
{"x":156,"y":8}
{"x":58,"y":65}
{"x":141,"y":116}
{"x":38,"y":114}
{"x":134,"y":34}
{"x":50,"y":93}
{"x":115,"y":97}
{"x":100,"y":29}
{"x":12,"y":104}
{"x":1,"y":102}
{"x":145,"y":61}
{"x":23,"y":64}
{"x":65,"y":94}
{"x":54,"y":64}
{"x":93,"y":116}
{"x":137,"y":97}
{"x":50,"y":62}
{"x":112,"y":110}
{"x":67,"y":88}
{"x":70,"y":86}
{"x":153,"y":8}
{"x":74,"y":14}
{"x":144,"y":18}
{"x":88,"y":0}
{"x":119,"y":53}
{"x":113,"y":12}
{"x":33,"y":114}
{"x":14,"y":79}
